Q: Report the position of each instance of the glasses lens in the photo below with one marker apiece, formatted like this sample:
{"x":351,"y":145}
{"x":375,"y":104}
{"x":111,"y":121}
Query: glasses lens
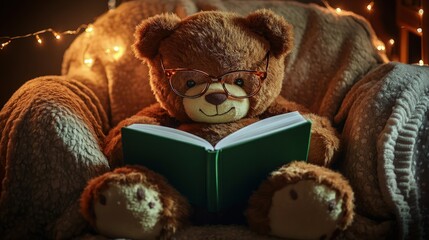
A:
{"x":189,"y":83}
{"x":242,"y":83}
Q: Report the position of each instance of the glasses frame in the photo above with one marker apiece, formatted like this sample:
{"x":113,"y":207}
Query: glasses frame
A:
{"x":262,"y":75}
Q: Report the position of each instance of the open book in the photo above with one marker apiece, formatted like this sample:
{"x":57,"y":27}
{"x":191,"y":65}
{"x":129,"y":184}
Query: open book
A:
{"x":221,"y":176}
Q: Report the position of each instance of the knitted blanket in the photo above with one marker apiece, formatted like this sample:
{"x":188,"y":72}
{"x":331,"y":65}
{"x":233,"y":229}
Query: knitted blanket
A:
{"x":53,"y":127}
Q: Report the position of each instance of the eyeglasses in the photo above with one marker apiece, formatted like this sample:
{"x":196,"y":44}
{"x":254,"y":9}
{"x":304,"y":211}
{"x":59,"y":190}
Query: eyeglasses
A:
{"x":183,"y":79}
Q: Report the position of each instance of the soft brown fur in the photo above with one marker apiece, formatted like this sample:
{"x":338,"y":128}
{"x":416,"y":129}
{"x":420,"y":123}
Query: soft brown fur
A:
{"x":252,"y":37}
{"x":175,"y":207}
{"x":218,"y":42}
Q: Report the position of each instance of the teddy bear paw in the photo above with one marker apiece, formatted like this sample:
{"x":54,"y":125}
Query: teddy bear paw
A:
{"x":297,"y":206}
{"x":302,"y":201}
{"x":131,"y":211}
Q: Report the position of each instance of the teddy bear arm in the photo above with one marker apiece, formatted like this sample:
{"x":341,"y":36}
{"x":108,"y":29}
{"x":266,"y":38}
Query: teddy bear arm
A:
{"x":157,"y":115}
{"x":281,"y":105}
{"x":324,"y":143}
{"x":153,"y":114}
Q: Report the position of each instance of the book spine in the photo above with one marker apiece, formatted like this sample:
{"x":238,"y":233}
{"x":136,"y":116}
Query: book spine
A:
{"x":212,"y":181}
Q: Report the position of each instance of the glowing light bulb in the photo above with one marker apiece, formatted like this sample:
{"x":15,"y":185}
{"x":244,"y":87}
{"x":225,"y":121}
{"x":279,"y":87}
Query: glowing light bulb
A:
{"x":5,"y":44}
{"x":89,"y":29}
{"x":57,"y":35}
{"x":115,"y":52}
{"x":421,"y":11}
{"x":88,"y":61}
{"x":39,"y":40}
{"x":338,"y":10}
{"x":392,"y":41}
{"x":381,"y":47}
{"x":421,"y":63}
{"x":419,"y":30}
{"x":370,"y":6}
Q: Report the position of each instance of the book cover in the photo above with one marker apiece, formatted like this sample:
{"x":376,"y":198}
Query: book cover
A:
{"x":221,"y":176}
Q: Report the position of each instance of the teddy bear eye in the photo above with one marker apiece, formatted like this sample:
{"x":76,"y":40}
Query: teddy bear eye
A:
{"x":190,"y":83}
{"x":239,"y":82}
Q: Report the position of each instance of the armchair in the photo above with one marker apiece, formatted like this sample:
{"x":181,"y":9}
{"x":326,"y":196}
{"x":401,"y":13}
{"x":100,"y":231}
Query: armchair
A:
{"x":52,"y":129}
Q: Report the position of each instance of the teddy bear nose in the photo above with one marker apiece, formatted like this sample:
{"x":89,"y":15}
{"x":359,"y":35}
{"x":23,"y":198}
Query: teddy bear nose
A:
{"x":216,"y":98}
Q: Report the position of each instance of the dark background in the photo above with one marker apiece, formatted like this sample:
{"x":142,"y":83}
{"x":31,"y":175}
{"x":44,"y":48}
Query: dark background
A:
{"x":24,"y":59}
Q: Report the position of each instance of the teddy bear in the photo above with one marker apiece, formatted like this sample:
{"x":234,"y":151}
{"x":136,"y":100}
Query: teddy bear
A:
{"x":213,"y":73}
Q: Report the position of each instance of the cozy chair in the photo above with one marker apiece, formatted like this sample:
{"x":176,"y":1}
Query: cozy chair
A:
{"x":52,"y":129}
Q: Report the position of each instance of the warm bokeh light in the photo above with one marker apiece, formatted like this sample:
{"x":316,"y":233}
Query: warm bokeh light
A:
{"x":57,"y":35}
{"x":115,"y":52}
{"x":6,"y":40}
{"x":39,"y":40}
{"x":370,"y":6}
{"x":89,"y":29}
{"x":4,"y":44}
{"x":88,"y":61}
{"x":391,"y":41}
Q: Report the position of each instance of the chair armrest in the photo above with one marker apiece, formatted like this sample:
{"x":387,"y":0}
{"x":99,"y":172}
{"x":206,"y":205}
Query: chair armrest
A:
{"x":385,"y":118}
{"x":51,"y":136}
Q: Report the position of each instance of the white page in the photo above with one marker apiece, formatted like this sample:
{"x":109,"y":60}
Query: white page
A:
{"x":172,"y":133}
{"x":261,"y":128}
{"x":252,"y":131}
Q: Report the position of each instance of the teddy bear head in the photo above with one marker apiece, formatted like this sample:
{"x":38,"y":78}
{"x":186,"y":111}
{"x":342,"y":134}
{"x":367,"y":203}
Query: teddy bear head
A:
{"x":215,"y":67}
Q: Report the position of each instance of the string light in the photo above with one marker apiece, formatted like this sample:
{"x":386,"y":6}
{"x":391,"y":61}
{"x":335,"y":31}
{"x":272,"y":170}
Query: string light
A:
{"x":370,"y":6}
{"x":57,"y":35}
{"x":117,"y":51}
{"x":421,"y":62}
{"x":381,"y":47}
{"x":89,"y":29}
{"x":5,"y":44}
{"x":39,"y":40}
{"x":88,"y":61}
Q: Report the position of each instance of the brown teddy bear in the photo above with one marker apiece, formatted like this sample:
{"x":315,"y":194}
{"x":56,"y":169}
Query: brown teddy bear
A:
{"x":213,"y":73}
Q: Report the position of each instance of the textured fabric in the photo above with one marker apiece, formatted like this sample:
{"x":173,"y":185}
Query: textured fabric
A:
{"x":386,"y":155}
{"x":119,"y":79}
{"x":51,"y":133}
{"x":331,"y":52}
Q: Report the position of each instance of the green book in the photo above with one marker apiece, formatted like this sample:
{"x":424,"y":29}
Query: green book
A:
{"x":222,"y":176}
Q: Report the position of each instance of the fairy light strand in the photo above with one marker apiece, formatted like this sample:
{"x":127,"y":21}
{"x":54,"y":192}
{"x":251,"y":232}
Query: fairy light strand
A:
{"x":370,"y":8}
{"x":4,"y":41}
{"x":37,"y":35}
{"x":88,"y":28}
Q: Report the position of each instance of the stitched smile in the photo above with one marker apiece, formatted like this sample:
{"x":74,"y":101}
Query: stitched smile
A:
{"x":217,"y":114}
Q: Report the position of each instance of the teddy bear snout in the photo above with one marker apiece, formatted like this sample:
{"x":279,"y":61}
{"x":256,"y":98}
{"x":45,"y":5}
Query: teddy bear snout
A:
{"x":216,"y":98}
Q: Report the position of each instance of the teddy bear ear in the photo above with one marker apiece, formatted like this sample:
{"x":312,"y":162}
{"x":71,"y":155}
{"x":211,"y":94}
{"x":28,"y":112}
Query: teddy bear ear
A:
{"x":151,"y":32}
{"x":274,"y":28}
